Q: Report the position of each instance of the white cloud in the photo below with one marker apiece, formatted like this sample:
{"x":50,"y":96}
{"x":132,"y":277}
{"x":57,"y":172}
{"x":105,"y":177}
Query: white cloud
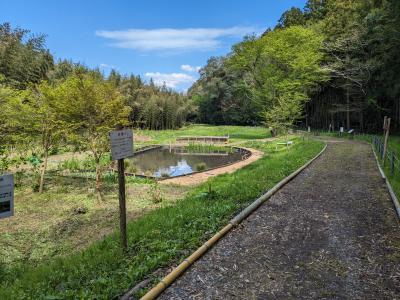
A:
{"x":106,"y":66}
{"x":171,"y":80}
{"x":172,"y":39}
{"x":189,"y":68}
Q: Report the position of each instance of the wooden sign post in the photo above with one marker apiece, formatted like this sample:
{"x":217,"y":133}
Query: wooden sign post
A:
{"x":122,"y":147}
{"x":386,"y":129}
{"x":122,"y":204}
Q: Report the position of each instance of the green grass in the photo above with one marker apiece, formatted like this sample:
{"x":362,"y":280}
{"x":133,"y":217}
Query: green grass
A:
{"x":159,"y":238}
{"x":394,"y":178}
{"x":47,"y":225}
{"x":236,"y":133}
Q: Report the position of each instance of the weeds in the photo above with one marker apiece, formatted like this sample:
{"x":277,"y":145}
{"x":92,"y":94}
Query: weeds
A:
{"x":155,"y":193}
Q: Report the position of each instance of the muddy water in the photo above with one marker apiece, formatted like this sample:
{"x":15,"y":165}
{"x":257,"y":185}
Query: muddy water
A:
{"x":165,"y":162}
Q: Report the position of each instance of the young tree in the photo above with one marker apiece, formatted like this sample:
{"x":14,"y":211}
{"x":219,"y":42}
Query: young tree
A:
{"x":33,"y":115}
{"x":93,"y":107}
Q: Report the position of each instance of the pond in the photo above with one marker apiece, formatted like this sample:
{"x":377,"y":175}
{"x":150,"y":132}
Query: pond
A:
{"x":176,"y":161}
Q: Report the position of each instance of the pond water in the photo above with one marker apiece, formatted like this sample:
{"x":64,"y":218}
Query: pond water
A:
{"x":166,"y":162}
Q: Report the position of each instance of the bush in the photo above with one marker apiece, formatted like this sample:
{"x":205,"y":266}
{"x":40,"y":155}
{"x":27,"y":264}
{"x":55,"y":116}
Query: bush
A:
{"x":110,"y":177}
{"x":200,"y":167}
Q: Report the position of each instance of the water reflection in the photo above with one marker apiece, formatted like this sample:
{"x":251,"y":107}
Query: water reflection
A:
{"x":165,"y":162}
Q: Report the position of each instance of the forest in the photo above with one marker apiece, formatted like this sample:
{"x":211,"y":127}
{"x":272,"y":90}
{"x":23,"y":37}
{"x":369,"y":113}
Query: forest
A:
{"x":332,"y":63}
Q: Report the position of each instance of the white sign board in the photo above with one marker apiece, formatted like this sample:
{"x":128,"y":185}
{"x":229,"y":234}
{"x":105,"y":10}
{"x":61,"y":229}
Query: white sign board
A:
{"x":6,"y":196}
{"x":121,"y":144}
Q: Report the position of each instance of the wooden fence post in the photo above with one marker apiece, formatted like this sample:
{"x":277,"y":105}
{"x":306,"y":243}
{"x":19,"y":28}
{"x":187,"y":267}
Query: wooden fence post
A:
{"x":386,"y":127}
{"x":122,"y":204}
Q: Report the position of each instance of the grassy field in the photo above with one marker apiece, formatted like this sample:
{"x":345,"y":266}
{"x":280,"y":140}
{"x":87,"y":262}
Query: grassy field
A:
{"x":236,"y":133}
{"x":157,"y":239}
{"x":68,"y":216}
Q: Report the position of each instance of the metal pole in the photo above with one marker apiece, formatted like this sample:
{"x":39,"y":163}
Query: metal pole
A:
{"x":122,"y":204}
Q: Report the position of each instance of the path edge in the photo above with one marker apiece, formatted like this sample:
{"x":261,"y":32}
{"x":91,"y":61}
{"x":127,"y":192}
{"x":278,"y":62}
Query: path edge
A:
{"x":182,"y":267}
{"x":388,"y":185}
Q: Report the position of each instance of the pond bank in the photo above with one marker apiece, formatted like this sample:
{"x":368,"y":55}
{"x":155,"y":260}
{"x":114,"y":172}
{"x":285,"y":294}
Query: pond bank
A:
{"x":203,"y":176}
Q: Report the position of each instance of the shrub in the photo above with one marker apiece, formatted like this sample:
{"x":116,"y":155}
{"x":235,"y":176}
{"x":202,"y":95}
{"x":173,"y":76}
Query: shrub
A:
{"x":200,"y":167}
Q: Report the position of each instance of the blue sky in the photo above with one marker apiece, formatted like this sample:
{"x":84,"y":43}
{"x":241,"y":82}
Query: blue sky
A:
{"x":166,"y":40}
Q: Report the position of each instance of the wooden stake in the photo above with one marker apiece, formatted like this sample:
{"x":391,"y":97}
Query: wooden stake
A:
{"x":122,"y":204}
{"x":386,"y":127}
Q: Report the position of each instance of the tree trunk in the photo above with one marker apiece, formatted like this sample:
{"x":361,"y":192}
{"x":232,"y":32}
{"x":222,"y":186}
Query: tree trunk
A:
{"x":98,"y":180}
{"x":43,"y":171}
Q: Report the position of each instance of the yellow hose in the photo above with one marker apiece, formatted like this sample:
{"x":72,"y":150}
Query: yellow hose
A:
{"x":170,"y":278}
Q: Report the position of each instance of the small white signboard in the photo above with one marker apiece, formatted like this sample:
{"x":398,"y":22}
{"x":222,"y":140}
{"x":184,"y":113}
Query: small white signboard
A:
{"x":6,"y":196}
{"x":121,"y":144}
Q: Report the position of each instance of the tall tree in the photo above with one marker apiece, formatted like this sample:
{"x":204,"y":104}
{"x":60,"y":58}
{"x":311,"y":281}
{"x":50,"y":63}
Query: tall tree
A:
{"x":23,"y":57}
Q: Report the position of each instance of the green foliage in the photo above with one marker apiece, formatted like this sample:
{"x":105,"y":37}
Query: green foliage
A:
{"x":92,"y":108}
{"x":264,"y":79}
{"x":293,"y":56}
{"x":23,"y":57}
{"x":354,"y":41}
{"x":292,"y":17}
{"x":155,"y":193}
{"x":34,"y":114}
{"x":200,"y":167}
{"x":157,"y":239}
{"x":153,"y":107}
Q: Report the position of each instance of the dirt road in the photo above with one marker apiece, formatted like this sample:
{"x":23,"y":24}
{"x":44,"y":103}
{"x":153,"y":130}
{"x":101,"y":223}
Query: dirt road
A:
{"x":332,"y":232}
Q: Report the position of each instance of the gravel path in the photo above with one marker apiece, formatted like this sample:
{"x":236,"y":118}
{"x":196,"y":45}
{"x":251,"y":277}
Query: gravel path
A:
{"x":332,"y":232}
